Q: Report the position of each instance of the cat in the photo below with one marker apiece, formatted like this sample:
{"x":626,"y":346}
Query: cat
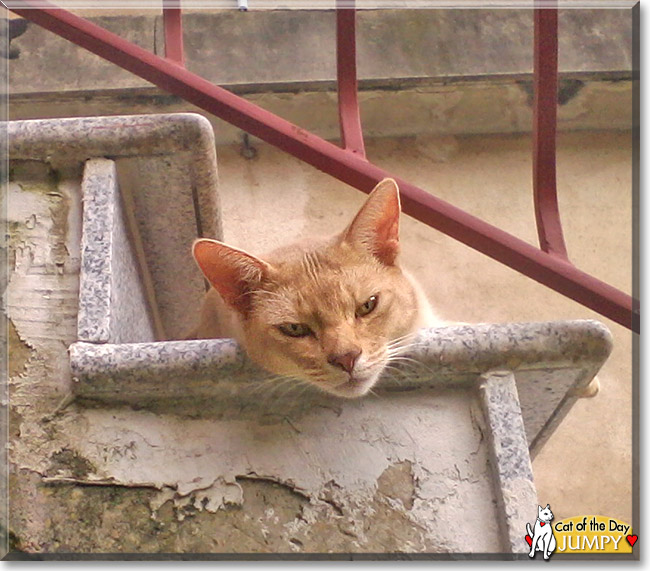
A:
{"x":542,"y":538}
{"x":332,"y":312}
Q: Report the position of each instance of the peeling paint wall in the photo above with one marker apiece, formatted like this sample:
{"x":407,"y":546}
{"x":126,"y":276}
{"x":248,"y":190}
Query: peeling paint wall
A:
{"x":371,"y":476}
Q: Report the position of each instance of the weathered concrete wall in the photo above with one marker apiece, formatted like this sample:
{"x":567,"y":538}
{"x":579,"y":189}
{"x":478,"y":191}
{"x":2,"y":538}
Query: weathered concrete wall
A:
{"x":265,"y":48}
{"x":421,"y":71}
{"x":166,"y":510}
{"x":468,"y":107}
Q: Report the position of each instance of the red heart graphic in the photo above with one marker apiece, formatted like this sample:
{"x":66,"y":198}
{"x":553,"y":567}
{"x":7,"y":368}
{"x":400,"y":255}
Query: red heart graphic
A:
{"x":631,"y":539}
{"x":529,"y":540}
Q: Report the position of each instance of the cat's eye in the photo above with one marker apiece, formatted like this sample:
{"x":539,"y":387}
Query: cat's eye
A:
{"x":295,"y":329}
{"x":367,"y":307}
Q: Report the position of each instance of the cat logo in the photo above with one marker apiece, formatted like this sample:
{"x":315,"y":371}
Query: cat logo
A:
{"x":594,"y":534}
{"x":541,"y":537}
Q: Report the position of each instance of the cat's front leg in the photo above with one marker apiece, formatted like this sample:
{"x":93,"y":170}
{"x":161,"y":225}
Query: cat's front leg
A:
{"x":550,"y":548}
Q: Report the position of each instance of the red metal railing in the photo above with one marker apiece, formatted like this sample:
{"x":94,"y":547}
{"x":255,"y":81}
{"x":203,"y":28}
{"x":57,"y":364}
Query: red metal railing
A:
{"x":548,"y":265}
{"x":346,"y":73}
{"x":547,"y":212}
{"x":173,"y":25}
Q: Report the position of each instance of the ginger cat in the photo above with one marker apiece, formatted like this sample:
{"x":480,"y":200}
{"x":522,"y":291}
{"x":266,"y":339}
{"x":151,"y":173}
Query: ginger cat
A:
{"x":332,"y":312}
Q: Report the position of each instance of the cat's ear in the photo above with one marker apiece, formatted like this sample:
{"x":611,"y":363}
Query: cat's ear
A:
{"x":375,"y":228}
{"x":232,"y":272}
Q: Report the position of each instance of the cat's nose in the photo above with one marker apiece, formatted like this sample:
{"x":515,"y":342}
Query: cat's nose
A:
{"x":345,"y":361}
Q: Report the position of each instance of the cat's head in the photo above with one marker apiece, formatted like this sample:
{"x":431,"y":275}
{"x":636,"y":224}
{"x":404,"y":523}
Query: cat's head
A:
{"x":545,"y":514}
{"x":326,"y":314}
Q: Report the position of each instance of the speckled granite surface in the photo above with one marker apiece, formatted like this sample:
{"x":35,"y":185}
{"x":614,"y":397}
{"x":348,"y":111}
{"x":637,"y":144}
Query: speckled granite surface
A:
{"x":113,"y":305}
{"x":509,"y":459}
{"x":167,"y":173}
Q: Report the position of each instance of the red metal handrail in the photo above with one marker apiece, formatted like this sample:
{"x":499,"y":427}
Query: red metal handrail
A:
{"x":547,"y":212}
{"x":346,"y":72}
{"x":546,"y":268}
{"x":173,"y":25}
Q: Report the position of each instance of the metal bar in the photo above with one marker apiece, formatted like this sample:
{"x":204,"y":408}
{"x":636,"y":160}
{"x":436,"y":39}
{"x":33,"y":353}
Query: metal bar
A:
{"x":547,"y":212}
{"x":173,"y":24}
{"x":346,"y":71}
{"x":347,"y":167}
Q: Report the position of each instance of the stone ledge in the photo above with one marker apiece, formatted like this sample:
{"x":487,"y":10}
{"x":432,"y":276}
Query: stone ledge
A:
{"x":284,"y":47}
{"x":551,"y":361}
{"x":460,"y":108}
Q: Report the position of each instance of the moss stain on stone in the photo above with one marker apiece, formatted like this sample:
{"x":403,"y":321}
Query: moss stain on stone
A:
{"x":71,"y":464}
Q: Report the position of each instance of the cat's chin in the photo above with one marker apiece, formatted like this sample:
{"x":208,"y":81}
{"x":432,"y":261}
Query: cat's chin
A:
{"x":353,"y":388}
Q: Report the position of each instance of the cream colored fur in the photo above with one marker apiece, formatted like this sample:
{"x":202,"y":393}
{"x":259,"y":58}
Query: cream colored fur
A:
{"x":321,"y":285}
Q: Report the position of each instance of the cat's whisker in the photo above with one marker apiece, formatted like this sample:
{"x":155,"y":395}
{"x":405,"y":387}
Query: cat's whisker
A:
{"x":403,"y":340}
{"x":267,"y":381}
{"x":399,"y":377}
{"x":408,"y":338}
{"x":391,"y":366}
{"x":408,"y":335}
{"x":272,"y":377}
{"x":270,"y":390}
{"x":395,"y":347}
{"x":390,"y":355}
{"x":288,"y":388}
{"x":288,"y":394}
{"x":302,"y":388}
{"x":409,"y":370}
{"x":405,"y":359}
{"x":394,"y":373}
{"x":399,"y":347}
{"x":402,"y":361}
{"x":378,"y":353}
{"x":396,"y":354}
{"x":412,"y":365}
{"x":373,"y":359}
{"x":261,"y":388}
{"x":297,"y":391}
{"x":277,"y":384}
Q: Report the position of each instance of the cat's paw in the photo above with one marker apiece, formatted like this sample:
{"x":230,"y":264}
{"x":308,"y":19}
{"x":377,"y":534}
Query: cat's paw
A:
{"x":590,"y":391}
